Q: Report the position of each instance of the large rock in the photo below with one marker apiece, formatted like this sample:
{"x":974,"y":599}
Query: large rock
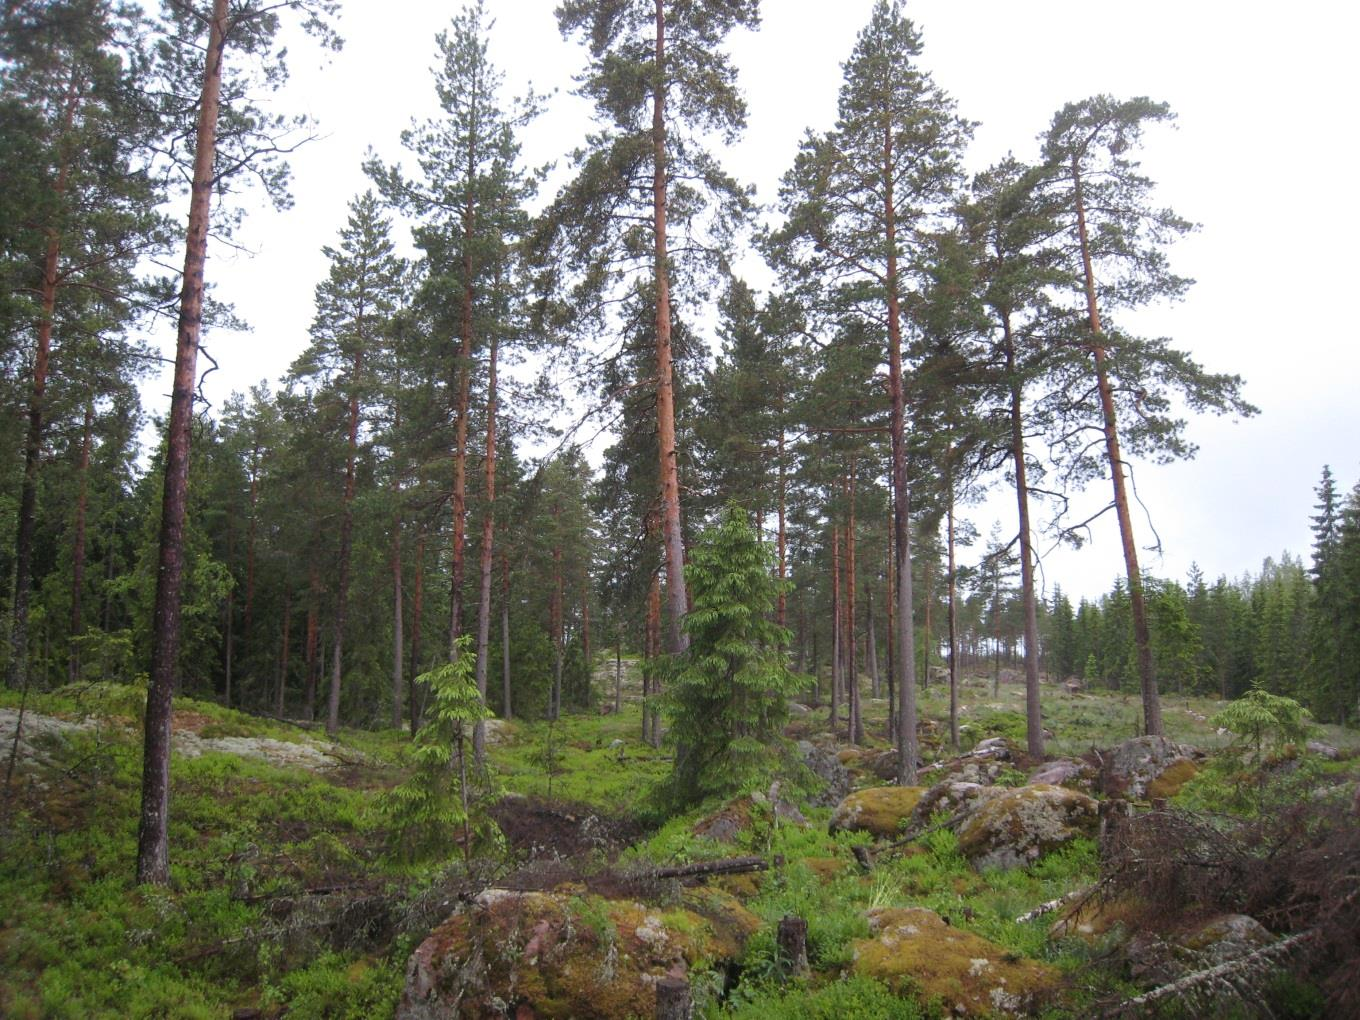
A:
{"x":1154,"y":960}
{"x":1069,"y":772}
{"x":552,"y":955}
{"x":1145,"y":768}
{"x":824,"y":765}
{"x":949,"y":797}
{"x":879,"y":810}
{"x":916,"y":950}
{"x":727,"y":824}
{"x":1014,"y":827}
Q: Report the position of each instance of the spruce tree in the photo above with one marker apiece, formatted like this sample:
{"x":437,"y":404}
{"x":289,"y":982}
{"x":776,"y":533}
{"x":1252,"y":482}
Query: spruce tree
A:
{"x":727,"y":694}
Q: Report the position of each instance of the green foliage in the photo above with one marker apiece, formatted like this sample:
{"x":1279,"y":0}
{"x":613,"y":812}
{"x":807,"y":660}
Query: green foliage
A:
{"x":726,"y":694}
{"x":1259,"y":716}
{"x":849,"y":997}
{"x":429,"y":812}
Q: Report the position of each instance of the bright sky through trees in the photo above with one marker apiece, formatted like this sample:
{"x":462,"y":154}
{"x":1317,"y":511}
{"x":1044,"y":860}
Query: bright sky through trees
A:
{"x":1261,"y":96}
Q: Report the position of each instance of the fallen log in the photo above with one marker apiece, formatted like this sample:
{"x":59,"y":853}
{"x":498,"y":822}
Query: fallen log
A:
{"x":703,"y":869}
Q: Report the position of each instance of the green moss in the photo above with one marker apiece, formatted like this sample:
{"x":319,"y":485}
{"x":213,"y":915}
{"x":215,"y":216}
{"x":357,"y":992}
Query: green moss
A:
{"x":880,"y":811}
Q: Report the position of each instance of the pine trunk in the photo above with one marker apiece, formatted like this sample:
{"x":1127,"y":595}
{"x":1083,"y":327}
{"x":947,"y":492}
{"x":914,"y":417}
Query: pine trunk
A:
{"x":1152,"y":706}
{"x":856,"y":727}
{"x":906,"y":654}
{"x":871,"y":641}
{"x":486,"y":563}
{"x":506,"y":710}
{"x":346,"y":538}
{"x":953,"y":624}
{"x":836,"y":623}
{"x":313,"y":637}
{"x":672,"y":535}
{"x":1034,"y":725}
{"x":78,"y":545}
{"x":28,"y":498}
{"x":284,"y":640}
{"x":153,"y":848}
{"x":417,"y":615}
{"x":398,"y":624}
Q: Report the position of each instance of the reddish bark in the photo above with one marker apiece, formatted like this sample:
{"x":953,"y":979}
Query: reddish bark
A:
{"x":488,"y":539}
{"x":906,"y":693}
{"x":284,"y":640}
{"x":346,"y":539}
{"x":28,"y":498}
{"x":78,"y":544}
{"x":1152,"y":706}
{"x":677,"y":599}
{"x":153,"y":849}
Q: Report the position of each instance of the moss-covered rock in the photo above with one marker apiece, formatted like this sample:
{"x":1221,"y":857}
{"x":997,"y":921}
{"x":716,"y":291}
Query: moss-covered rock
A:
{"x":879,"y":811}
{"x":1014,"y":827}
{"x":1157,"y":959}
{"x":1134,"y":769}
{"x":566,"y":956}
{"x":1070,"y":772}
{"x":916,"y":951}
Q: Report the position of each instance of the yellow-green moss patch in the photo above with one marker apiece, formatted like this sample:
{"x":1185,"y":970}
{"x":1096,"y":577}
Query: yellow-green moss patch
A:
{"x":880,"y":810}
{"x":914,"y":951}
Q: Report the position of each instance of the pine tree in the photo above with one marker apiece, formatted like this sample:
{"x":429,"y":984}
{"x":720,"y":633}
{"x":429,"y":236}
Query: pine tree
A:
{"x":859,"y":202}
{"x":351,"y":339}
{"x":1117,"y":251}
{"x":228,"y":135}
{"x":647,"y":56}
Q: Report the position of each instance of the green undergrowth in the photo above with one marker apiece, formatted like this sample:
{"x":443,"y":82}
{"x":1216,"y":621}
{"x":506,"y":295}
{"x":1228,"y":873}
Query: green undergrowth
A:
{"x":79,"y":939}
{"x":575,"y":759}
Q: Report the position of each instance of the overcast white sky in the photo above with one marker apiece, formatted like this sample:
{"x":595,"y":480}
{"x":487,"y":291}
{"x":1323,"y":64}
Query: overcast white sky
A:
{"x":1261,"y":160}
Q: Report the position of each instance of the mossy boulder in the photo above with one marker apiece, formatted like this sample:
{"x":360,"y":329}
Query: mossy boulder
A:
{"x":879,"y":810}
{"x":561,"y":955}
{"x":916,"y":951}
{"x":1135,"y":769}
{"x":1156,"y":959}
{"x":1070,"y":772}
{"x":1015,"y":827}
{"x":949,"y":797}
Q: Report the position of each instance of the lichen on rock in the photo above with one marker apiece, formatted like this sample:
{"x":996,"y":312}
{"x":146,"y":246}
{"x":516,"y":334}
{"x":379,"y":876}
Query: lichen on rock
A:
{"x":1014,"y":827}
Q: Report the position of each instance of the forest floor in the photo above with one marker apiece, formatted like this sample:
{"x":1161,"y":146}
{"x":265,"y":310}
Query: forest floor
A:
{"x":288,"y":895}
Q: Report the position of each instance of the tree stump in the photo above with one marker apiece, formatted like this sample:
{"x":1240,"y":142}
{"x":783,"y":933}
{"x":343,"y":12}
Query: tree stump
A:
{"x":792,"y":940}
{"x":673,"y":1000}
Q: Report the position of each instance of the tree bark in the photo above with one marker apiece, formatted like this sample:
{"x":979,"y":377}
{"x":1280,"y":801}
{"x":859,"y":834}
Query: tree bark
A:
{"x":871,"y":640}
{"x":1152,"y":706}
{"x":1034,"y":725}
{"x":836,"y":624}
{"x":398,"y":623}
{"x":313,"y":634}
{"x":651,"y":719}
{"x":28,"y":498}
{"x":556,"y":624}
{"x":78,"y":545}
{"x":346,"y":537}
{"x":906,"y":711}
{"x":488,"y":539}
{"x":248,"y":612}
{"x":953,"y":622}
{"x":507,"y":712}
{"x":417,"y":615}
{"x":856,"y":727}
{"x":672,"y":535}
{"x":153,"y":849}
{"x":782,"y":606}
{"x":283,"y":653}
